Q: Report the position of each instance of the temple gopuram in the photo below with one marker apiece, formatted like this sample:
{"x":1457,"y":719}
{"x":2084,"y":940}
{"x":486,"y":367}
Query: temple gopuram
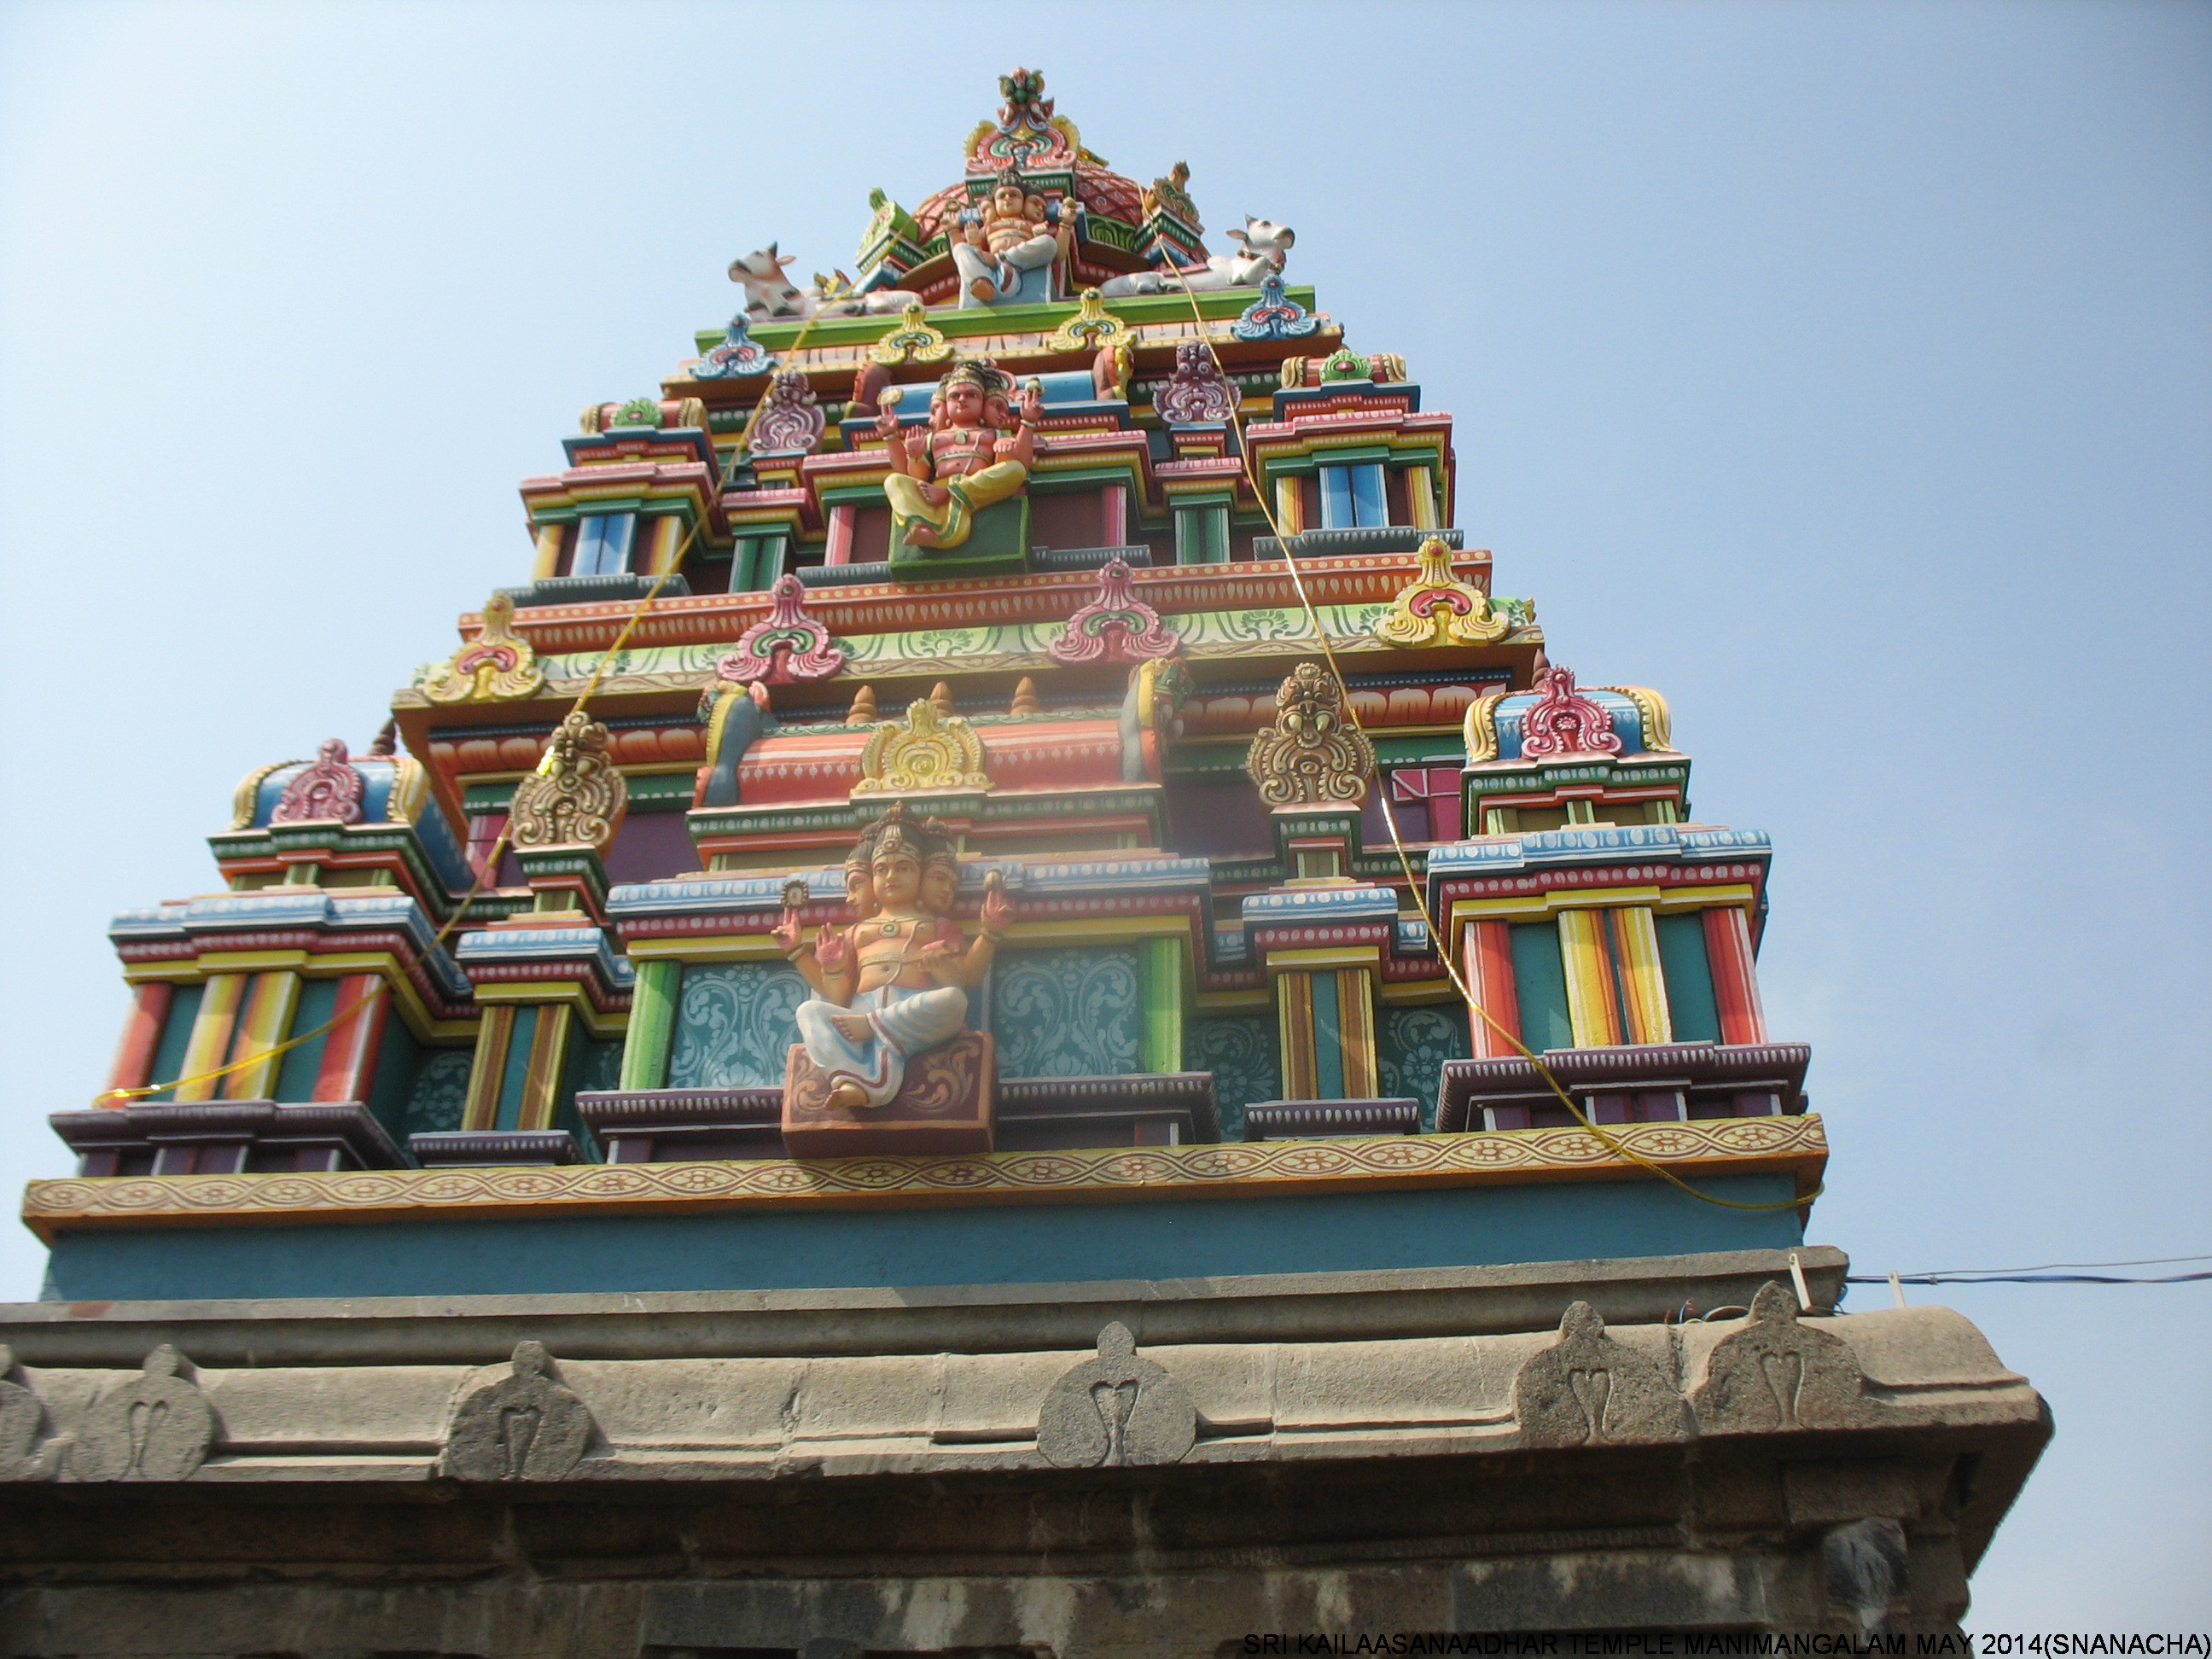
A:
{"x":1000,"y":1007}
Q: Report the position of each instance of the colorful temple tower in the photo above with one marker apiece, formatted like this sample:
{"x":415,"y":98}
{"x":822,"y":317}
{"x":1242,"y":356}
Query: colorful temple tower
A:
{"x":1007,"y":997}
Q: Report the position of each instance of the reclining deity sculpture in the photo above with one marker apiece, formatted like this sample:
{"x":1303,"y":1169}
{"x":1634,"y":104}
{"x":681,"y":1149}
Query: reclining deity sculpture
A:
{"x":978,"y":451}
{"x":895,"y":982}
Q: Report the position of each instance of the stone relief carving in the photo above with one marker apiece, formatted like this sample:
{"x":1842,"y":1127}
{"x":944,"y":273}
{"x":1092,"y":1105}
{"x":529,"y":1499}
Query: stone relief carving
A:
{"x":1116,"y":1410}
{"x":20,"y":1418}
{"x":157,"y":1426}
{"x":1777,"y":1373}
{"x":524,"y":1427}
{"x":1588,"y":1390}
{"x":1866,"y":1564}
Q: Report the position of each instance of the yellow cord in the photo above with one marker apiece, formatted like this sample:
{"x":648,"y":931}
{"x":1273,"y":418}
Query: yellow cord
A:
{"x":499,"y":846}
{"x":1389,"y":819}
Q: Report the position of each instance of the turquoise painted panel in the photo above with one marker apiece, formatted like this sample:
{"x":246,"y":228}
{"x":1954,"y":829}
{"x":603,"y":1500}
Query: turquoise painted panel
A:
{"x":1539,"y":984}
{"x":594,"y":1067}
{"x":738,"y":1248}
{"x":1069,"y":1012}
{"x":176,"y":1037}
{"x":507,"y":1114}
{"x":1239,"y":1050}
{"x":1327,"y":1037}
{"x":440,"y":1092}
{"x":1691,"y":1004}
{"x":295,"y":1071}
{"x":1412,"y":1045}
{"x":735,"y":1022}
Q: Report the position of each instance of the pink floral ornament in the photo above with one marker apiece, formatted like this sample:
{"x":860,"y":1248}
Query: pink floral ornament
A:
{"x":327,"y":790}
{"x":784,"y":649}
{"x":1116,"y":626}
{"x":1564,"y":721}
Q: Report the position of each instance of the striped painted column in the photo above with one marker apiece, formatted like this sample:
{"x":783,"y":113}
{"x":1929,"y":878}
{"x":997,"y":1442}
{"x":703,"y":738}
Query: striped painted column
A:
{"x":211,"y":1033}
{"x":1114,"y":515}
{"x":547,"y":562}
{"x":1421,"y":497}
{"x":652,"y":1024}
{"x":838,"y":548}
{"x":1355,"y":1013}
{"x":480,"y":1110}
{"x":1735,"y":979}
{"x":133,"y":1067}
{"x":262,"y":1023}
{"x":1160,"y":1005}
{"x":1289,"y":507}
{"x":1488,"y":965}
{"x":1591,"y":1003}
{"x":347,"y":1071}
{"x":541,"y":1077}
{"x":1643,"y":981}
{"x":667,"y":537}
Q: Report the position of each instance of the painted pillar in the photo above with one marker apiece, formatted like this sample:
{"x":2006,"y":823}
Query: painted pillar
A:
{"x":548,"y":560}
{"x":1160,"y":988}
{"x":1642,"y":982}
{"x":1355,"y":1012}
{"x":210,"y":1039}
{"x":838,"y":550}
{"x":1289,"y":507}
{"x":133,"y":1067}
{"x":1591,"y":1004}
{"x":268,"y":1012}
{"x":347,"y":1071}
{"x":480,"y":1110}
{"x":1114,"y":515}
{"x":652,"y":1024}
{"x":1488,"y":965}
{"x":1421,"y":497}
{"x":667,"y":537}
{"x":549,"y":1054}
{"x":1735,"y":981}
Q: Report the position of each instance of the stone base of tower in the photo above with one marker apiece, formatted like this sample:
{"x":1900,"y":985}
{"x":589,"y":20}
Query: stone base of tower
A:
{"x":1188,"y":1468}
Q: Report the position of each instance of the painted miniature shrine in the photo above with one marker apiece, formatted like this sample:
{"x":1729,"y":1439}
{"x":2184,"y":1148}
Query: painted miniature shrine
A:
{"x":903,"y":828}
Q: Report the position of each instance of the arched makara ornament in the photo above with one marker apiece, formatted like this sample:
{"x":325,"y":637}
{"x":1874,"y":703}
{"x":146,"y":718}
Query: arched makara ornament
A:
{"x":495,"y":666}
{"x":1196,"y":395}
{"x":785,"y":647}
{"x":913,"y":339}
{"x":577,"y":797}
{"x":739,"y":356}
{"x":525,"y":1427}
{"x":328,"y":790}
{"x":1114,"y":626}
{"x":1116,"y":1411}
{"x":1312,"y":755}
{"x":1437,"y":608}
{"x":157,"y":1426}
{"x":1091,"y":325}
{"x":791,"y":421}
{"x":929,"y":750}
{"x":1274,"y":315}
{"x":1564,"y":721}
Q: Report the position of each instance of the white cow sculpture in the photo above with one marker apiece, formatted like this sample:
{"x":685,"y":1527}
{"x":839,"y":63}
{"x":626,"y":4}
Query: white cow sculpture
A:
{"x":769,"y":293}
{"x":1265,"y":244}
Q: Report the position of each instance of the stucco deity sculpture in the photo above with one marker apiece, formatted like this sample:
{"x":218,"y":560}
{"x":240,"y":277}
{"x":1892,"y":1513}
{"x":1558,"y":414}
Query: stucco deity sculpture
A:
{"x":1010,"y":231}
{"x":976,"y":452}
{"x":895,"y":982}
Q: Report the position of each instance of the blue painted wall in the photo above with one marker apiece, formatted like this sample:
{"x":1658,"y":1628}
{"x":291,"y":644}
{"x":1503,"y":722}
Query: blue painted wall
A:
{"x":1043,"y":1243}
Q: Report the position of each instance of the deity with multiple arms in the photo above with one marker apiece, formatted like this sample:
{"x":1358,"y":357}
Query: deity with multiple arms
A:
{"x":1009,"y":232}
{"x":895,"y":981}
{"x":976,"y":452}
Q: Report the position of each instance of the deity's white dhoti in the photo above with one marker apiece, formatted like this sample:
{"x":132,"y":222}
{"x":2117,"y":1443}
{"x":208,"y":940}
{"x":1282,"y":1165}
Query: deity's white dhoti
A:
{"x":902,"y":1021}
{"x":980,"y":264}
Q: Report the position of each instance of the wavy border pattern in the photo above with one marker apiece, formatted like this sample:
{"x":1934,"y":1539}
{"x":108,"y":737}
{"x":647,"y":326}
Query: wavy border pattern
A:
{"x":1719,"y":1146}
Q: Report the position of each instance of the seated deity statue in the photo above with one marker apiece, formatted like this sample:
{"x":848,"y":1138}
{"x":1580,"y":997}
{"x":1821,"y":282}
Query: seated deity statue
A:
{"x":976,"y":450}
{"x":1009,"y":232}
{"x":895,"y":982}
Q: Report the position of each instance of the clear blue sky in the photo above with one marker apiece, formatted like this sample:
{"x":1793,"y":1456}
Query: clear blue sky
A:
{"x":1844,"y":371}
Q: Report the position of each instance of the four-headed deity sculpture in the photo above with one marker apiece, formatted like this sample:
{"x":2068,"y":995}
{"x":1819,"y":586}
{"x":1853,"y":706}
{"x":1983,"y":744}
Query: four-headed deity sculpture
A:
{"x":978,"y":451}
{"x":895,"y":982}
